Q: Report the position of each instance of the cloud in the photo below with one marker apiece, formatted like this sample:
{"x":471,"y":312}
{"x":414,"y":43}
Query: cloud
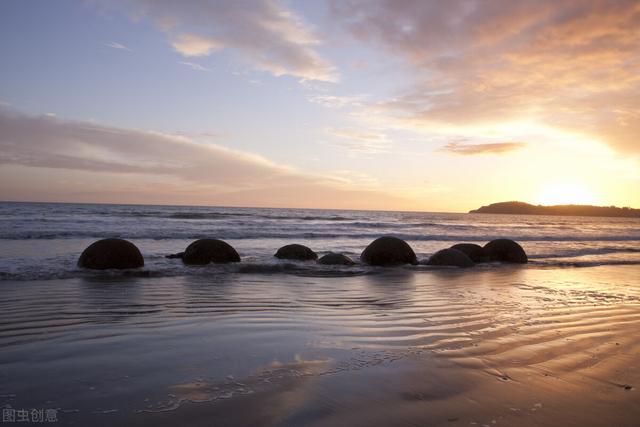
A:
{"x":44,"y":141}
{"x":267,"y":33}
{"x":194,"y":66}
{"x":361,"y":141}
{"x":334,"y":101}
{"x":566,"y":64}
{"x":115,"y":45}
{"x":75,"y":160}
{"x":193,"y":45}
{"x":201,"y":136}
{"x":479,"y":149}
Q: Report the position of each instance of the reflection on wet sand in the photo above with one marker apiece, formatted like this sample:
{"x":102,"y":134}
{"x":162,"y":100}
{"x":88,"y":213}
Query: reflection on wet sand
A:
{"x":417,"y":389}
{"x":511,"y":346}
{"x":272,"y":375}
{"x":554,"y":353}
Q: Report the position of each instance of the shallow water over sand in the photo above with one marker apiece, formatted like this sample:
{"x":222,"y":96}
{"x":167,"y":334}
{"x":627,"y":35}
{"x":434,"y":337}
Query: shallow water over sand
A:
{"x":498,"y":346}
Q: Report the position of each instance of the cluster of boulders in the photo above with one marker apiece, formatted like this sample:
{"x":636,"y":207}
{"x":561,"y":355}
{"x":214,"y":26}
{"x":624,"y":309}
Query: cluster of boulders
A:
{"x":468,"y":254}
{"x":384,"y":251}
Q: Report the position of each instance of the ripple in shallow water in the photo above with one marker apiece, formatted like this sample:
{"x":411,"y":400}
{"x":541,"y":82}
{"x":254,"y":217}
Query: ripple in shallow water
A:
{"x":112,"y":342}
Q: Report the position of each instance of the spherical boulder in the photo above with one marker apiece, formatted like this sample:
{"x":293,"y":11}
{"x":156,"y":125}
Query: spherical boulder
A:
{"x":473,"y":251}
{"x":333,"y":258}
{"x":388,"y":251}
{"x":205,"y":251}
{"x":505,"y":250}
{"x":111,"y":253}
{"x":297,"y":252}
{"x":451,"y":257}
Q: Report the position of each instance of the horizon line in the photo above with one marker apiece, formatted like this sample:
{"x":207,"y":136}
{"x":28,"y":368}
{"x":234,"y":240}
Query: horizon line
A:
{"x":226,"y":207}
{"x":301,"y":208}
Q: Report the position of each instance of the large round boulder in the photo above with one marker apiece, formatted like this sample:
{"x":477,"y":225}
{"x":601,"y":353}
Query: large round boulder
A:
{"x":505,"y":250}
{"x":111,"y":253}
{"x":388,"y":251}
{"x":297,"y":252}
{"x":451,"y":257}
{"x":205,"y":251}
{"x":333,"y":258}
{"x":473,"y":251}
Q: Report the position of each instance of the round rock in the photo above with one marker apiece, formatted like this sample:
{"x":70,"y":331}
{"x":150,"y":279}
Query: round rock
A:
{"x":111,"y":253}
{"x":505,"y":250}
{"x":388,"y":251}
{"x":297,"y":252}
{"x":451,"y":257}
{"x":473,"y":251}
{"x":333,"y":258}
{"x":205,"y":251}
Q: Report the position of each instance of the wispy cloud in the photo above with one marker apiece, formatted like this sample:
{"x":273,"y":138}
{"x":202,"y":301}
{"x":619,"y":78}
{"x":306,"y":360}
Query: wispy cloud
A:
{"x":87,"y":146}
{"x":480,"y":149}
{"x":266,"y":33}
{"x":194,"y":66}
{"x":194,"y":45}
{"x":92,"y":162}
{"x":201,"y":136}
{"x":115,"y":45}
{"x":355,"y":140}
{"x":335,"y":101}
{"x":565,"y":64}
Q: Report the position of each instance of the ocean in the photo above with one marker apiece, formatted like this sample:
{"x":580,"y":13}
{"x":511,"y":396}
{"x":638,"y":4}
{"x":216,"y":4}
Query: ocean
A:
{"x":43,"y":240}
{"x":281,"y":343}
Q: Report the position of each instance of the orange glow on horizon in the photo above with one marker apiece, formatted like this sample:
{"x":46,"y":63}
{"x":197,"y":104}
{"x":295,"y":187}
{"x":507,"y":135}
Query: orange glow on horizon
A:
{"x":567,"y":194}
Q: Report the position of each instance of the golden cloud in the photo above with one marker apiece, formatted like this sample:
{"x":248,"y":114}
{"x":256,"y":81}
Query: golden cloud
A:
{"x":568,"y":64}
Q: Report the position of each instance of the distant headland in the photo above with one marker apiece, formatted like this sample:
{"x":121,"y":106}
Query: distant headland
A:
{"x":521,"y":208}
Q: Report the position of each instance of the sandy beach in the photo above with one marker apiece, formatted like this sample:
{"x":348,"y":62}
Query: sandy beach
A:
{"x":330,"y":213}
{"x":500,"y":346}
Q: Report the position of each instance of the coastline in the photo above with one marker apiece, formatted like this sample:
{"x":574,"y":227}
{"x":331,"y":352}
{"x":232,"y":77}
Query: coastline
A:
{"x":521,"y":208}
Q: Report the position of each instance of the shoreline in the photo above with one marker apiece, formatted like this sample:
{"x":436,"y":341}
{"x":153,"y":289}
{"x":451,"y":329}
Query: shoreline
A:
{"x":303,"y":269}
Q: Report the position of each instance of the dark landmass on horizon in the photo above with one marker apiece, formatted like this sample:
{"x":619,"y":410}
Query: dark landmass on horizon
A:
{"x":521,"y":208}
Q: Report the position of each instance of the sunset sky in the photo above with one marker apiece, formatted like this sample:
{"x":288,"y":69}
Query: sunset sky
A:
{"x":395,"y":105}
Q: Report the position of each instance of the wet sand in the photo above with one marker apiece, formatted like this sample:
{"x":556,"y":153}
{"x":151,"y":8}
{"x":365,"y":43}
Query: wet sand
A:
{"x":496,"y":346}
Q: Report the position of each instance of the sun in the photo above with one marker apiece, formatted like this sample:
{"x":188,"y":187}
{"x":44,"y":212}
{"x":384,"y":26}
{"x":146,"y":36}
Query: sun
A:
{"x":567,"y":194}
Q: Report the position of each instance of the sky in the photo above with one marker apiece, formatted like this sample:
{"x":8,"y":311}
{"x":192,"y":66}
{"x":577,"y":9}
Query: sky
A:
{"x":378,"y":104}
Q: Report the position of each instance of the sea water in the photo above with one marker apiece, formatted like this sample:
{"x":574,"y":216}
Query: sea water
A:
{"x":272,"y":342}
{"x":43,"y":241}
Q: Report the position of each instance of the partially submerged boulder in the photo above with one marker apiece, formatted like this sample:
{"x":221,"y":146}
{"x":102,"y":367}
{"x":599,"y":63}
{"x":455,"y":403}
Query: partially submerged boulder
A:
{"x":451,"y":257}
{"x":333,"y":258}
{"x":111,"y":253}
{"x":473,"y":251}
{"x":388,"y":251}
{"x":205,"y":251}
{"x":505,"y":250}
{"x":296,"y":252}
